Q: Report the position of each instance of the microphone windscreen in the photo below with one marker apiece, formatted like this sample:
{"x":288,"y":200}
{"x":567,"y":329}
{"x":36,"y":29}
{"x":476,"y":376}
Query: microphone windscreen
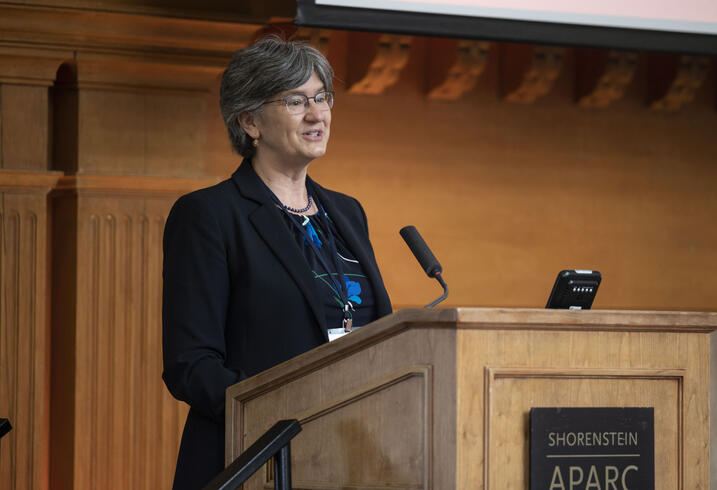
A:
{"x":421,"y":251}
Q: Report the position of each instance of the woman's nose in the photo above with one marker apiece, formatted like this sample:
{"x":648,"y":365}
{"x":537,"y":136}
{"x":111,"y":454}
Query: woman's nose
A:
{"x":314,"y":112}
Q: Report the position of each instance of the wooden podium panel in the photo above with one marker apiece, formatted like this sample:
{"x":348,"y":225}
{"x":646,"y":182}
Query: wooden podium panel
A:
{"x":367,"y":408}
{"x":514,"y":392}
{"x":392,"y":449}
{"x":658,"y":360}
{"x":440,"y":399}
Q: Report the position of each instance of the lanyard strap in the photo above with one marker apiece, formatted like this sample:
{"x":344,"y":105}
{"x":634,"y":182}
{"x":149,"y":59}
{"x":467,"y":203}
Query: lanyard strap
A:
{"x":340,"y":285}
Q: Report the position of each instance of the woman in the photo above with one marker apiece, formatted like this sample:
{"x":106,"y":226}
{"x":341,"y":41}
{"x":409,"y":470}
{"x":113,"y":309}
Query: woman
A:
{"x":267,"y":264}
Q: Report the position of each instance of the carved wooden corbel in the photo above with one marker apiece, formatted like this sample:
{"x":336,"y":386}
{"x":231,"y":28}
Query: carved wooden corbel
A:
{"x":391,"y":58}
{"x":529,"y":72}
{"x":318,"y":38}
{"x":471,"y":58}
{"x":603,"y":76}
{"x":675,"y":81}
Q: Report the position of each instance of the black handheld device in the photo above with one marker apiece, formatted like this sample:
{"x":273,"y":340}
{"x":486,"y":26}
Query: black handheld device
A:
{"x":574,"y":289}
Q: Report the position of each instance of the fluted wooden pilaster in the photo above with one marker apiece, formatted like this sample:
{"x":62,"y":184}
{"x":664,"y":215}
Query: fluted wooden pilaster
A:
{"x":105,"y":95}
{"x":126,"y":426}
{"x":24,"y":321}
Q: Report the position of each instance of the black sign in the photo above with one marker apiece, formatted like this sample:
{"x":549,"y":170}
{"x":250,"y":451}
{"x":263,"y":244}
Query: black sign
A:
{"x":592,"y":449}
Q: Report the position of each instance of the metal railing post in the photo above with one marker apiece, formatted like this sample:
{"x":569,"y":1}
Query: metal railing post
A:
{"x":5,"y":427}
{"x":282,"y":469}
{"x":273,"y":443}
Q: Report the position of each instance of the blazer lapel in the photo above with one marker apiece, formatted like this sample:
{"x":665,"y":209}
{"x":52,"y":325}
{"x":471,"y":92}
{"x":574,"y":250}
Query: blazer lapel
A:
{"x":361,"y":248}
{"x":269,"y":223}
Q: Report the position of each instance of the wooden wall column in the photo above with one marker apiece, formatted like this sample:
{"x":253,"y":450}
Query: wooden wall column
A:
{"x":109,"y":114}
{"x":114,"y":423}
{"x":25,"y":78}
{"x":24,"y":327}
{"x":139,"y":144}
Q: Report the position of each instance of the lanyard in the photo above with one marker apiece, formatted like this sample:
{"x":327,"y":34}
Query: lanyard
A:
{"x":340,"y":284}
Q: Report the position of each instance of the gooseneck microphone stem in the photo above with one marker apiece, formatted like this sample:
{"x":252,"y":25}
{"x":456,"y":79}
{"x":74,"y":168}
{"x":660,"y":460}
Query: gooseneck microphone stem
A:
{"x":425,"y":257}
{"x":443,"y":284}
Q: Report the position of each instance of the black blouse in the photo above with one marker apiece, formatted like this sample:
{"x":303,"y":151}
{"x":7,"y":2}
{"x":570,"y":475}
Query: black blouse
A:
{"x":360,"y":292}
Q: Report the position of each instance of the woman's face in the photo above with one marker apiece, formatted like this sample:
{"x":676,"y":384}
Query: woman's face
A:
{"x":293,"y":138}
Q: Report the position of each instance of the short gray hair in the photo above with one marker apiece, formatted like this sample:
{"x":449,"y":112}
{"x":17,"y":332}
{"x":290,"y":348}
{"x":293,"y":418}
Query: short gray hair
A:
{"x":262,"y":70}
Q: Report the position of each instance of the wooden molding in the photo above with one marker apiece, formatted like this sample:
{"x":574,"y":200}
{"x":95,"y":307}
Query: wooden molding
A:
{"x":22,"y":181}
{"x":104,"y":72}
{"x":674,"y":80}
{"x":115,"y":51}
{"x":125,"y":185}
{"x":391,"y":57}
{"x":222,"y":10}
{"x":603,"y":76}
{"x":471,"y":58}
{"x":529,"y":72}
{"x":599,"y":320}
{"x":28,"y":67}
{"x":134,"y":34}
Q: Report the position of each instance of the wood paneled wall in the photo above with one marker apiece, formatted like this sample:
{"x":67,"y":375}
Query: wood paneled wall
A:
{"x":126,"y":426}
{"x":24,"y":327}
{"x":108,"y":115}
{"x":103,"y":127}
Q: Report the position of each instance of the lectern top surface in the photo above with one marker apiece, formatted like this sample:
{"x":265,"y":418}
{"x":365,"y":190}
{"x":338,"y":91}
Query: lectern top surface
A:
{"x":542,"y":319}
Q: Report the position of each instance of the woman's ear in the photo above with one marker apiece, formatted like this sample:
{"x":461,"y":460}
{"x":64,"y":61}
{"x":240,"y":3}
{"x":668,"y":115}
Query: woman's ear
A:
{"x":247,"y":121}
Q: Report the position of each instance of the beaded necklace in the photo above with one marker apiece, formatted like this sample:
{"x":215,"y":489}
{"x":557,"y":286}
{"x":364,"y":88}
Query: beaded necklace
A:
{"x":299,"y":211}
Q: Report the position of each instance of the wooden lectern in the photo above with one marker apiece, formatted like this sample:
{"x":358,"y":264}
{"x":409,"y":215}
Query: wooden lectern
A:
{"x":439,"y":399}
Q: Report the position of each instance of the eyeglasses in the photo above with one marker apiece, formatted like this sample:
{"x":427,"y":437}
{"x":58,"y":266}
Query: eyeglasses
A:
{"x":299,"y":103}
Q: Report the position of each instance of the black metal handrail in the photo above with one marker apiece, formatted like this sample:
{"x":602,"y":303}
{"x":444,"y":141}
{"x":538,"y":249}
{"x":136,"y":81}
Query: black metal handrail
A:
{"x":274,"y":443}
{"x":5,"y":427}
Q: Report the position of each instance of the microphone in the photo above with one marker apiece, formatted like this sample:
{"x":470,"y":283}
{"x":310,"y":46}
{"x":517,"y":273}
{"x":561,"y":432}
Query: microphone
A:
{"x":426,"y":258}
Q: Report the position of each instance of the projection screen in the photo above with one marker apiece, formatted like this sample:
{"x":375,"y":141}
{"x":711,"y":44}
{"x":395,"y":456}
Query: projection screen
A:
{"x":688,"y":26}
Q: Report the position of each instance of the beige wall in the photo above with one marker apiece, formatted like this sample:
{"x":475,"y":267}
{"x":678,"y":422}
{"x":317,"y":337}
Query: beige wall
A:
{"x":509,"y":194}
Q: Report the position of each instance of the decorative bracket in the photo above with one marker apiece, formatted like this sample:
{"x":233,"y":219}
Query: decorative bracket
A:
{"x":603,"y":76}
{"x":680,"y":89}
{"x":391,"y":58}
{"x":470,"y":61}
{"x":318,"y":38}
{"x":529,"y":72}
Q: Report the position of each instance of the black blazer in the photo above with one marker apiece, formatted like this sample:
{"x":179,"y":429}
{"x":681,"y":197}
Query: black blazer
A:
{"x":239,"y":298}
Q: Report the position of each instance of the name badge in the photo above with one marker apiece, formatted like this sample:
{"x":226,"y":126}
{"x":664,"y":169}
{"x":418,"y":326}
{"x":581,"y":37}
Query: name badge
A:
{"x":335,"y":333}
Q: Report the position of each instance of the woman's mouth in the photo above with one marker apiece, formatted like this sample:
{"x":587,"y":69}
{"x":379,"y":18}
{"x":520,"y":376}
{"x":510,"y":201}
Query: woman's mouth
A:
{"x":314,"y":134}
